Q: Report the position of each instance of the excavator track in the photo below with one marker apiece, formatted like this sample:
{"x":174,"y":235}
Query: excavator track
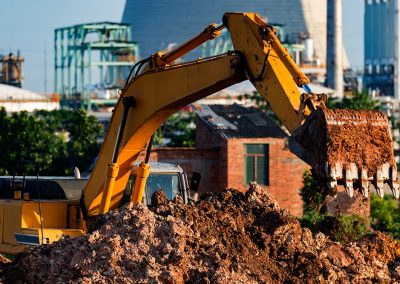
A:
{"x":351,"y":148}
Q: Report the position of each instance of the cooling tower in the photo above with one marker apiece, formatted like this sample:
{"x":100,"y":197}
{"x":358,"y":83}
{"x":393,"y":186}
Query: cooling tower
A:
{"x":156,"y":24}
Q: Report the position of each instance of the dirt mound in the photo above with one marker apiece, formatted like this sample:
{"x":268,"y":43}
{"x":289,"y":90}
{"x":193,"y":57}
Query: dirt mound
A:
{"x":226,"y":237}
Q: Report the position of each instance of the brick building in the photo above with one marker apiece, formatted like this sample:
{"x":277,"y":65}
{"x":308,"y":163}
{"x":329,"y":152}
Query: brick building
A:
{"x":236,"y":145}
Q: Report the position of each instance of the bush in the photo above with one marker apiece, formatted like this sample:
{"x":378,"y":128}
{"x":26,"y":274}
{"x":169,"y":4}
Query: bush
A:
{"x":313,"y":193}
{"x":343,"y":228}
{"x":385,"y":215}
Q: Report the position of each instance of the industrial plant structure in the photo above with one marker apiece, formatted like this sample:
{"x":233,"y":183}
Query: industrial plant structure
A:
{"x":11,"y":69}
{"x":92,"y":62}
{"x":381,"y":47}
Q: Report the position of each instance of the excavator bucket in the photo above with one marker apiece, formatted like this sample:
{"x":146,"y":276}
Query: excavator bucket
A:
{"x":352,"y":148}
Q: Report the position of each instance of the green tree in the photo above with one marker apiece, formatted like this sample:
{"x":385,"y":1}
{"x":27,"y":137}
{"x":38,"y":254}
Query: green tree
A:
{"x":25,"y":137}
{"x":54,"y":141}
{"x":360,"y":100}
{"x":79,"y":132}
{"x":179,"y":130}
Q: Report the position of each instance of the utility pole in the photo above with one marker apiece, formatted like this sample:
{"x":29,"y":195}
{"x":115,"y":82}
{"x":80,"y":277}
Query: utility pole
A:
{"x":45,"y":69}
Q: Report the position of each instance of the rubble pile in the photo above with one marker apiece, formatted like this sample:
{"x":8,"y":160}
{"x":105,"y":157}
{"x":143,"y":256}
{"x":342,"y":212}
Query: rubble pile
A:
{"x":225,"y":237}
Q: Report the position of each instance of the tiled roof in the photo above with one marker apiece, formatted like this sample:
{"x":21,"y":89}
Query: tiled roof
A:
{"x":237,"y":121}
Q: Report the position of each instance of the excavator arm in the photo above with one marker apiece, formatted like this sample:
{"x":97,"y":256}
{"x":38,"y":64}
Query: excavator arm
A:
{"x":162,"y":88}
{"x":156,"y":95}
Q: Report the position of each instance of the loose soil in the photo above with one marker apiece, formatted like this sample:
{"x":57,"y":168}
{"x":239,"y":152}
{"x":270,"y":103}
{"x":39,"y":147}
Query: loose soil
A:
{"x":363,"y":139}
{"x":228,"y":237}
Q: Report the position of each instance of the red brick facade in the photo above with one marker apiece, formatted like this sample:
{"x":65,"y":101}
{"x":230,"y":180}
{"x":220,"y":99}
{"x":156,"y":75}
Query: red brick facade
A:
{"x":221,"y":163}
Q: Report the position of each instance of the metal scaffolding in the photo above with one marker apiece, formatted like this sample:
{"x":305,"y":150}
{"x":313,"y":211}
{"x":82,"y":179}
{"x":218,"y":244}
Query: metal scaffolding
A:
{"x":91,"y":62}
{"x":224,"y":44}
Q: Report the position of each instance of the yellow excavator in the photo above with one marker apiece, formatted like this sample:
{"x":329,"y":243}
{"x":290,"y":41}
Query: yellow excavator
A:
{"x":344,"y":147}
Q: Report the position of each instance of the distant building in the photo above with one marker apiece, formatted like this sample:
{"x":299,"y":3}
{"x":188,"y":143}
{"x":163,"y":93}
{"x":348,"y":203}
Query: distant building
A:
{"x":381,"y":47}
{"x":15,"y":99}
{"x":236,"y":145}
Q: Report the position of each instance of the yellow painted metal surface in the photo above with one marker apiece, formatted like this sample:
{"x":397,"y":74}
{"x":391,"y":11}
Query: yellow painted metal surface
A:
{"x":142,"y":174}
{"x":51,"y":235}
{"x":112,"y":173}
{"x":54,"y":214}
{"x":269,"y":66}
{"x":12,"y":221}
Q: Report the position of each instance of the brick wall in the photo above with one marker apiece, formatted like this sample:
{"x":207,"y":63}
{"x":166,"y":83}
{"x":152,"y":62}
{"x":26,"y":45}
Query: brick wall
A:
{"x":205,"y":137}
{"x":204,"y":161}
{"x":285,"y":187}
{"x":285,"y":171}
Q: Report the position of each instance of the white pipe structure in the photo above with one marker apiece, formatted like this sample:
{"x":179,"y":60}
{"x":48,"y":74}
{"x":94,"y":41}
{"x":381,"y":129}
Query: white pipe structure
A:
{"x":335,"y":47}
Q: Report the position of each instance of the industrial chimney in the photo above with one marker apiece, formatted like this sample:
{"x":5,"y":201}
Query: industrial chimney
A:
{"x":334,"y":61}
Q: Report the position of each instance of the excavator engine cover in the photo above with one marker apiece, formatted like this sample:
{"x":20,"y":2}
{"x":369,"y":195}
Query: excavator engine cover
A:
{"x":349,"y":147}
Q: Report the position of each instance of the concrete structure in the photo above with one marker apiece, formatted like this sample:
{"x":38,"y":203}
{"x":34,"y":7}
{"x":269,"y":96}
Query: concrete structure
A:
{"x":15,"y":99}
{"x":236,"y":145}
{"x":381,"y":47}
{"x":334,"y":62}
{"x":159,"y":24}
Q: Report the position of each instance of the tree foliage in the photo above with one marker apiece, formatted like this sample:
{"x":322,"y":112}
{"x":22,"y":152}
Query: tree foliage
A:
{"x":360,"y":100}
{"x":178,"y":131}
{"x":343,"y":228}
{"x":313,"y":193}
{"x":54,"y":141}
{"x":385,"y":215}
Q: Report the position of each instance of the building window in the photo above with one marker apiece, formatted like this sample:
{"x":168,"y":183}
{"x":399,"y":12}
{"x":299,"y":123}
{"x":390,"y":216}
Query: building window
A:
{"x":256,"y":167}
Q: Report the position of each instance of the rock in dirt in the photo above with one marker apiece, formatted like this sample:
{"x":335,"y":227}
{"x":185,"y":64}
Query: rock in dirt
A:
{"x":228,"y":237}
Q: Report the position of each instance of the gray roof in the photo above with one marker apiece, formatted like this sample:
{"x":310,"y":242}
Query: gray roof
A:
{"x":237,"y":121}
{"x":11,"y":93}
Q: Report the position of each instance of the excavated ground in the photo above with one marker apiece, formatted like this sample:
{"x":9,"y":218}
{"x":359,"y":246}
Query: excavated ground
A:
{"x":225,"y":238}
{"x":364,"y":144}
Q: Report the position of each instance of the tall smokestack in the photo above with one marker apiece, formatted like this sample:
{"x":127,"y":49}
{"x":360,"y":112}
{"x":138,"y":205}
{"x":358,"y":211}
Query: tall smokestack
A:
{"x":334,"y":59}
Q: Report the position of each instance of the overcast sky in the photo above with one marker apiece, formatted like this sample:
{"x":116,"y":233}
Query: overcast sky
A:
{"x":28,"y":25}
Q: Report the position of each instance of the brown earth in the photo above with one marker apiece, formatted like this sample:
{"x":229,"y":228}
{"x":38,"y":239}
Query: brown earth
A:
{"x":228,"y":237}
{"x":363,"y":139}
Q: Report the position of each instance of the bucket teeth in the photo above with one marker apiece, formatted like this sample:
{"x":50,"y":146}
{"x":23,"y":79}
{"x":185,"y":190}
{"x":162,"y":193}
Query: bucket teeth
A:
{"x":351,"y":175}
{"x":393,"y":182}
{"x":378,"y":183}
{"x":364,"y":182}
{"x":334,"y":173}
{"x":379,"y":177}
{"x":380,"y":192}
{"x":365,"y":192}
{"x":385,"y":171}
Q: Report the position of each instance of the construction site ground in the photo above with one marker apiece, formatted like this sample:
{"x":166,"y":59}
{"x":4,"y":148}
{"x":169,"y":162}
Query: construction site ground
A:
{"x":228,"y":237}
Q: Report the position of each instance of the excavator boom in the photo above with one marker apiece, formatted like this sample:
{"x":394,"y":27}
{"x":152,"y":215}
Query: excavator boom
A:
{"x":342,"y":146}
